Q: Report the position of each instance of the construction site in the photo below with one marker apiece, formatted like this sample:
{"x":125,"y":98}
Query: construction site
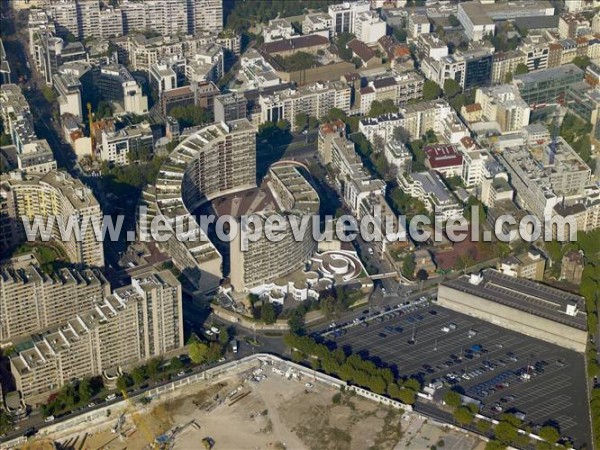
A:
{"x":267,"y":406}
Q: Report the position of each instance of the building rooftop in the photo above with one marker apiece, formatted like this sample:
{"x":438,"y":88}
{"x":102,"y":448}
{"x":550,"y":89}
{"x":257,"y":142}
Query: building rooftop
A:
{"x":442,"y":155}
{"x":476,"y":12}
{"x":524,"y":295}
{"x":296,"y":44}
{"x":361,"y":49}
{"x":549,"y":74}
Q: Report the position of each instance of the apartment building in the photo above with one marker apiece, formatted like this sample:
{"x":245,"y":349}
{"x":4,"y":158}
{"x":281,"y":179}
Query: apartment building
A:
{"x":162,"y":78}
{"x":529,"y":265}
{"x":68,"y":88}
{"x":426,"y":115}
{"x":229,"y":107}
{"x":32,"y":299}
{"x":110,"y":23}
{"x":400,"y":88}
{"x":504,"y":63}
{"x":33,"y":155}
{"x":205,"y":15}
{"x":343,"y":15}
{"x":382,"y":127}
{"x":546,"y":175}
{"x":327,"y":132}
{"x":537,"y":50}
{"x":207,"y":64}
{"x":429,"y":188}
{"x":123,"y":146}
{"x":315,"y":99}
{"x":418,"y":24}
{"x":355,"y":182}
{"x":503,"y":104}
{"x":266,"y":260}
{"x":369,"y":27}
{"x":135,"y":323}
{"x":278,"y":29}
{"x":55,"y":194}
{"x":50,"y":53}
{"x":115,"y":83}
{"x":573,"y":26}
{"x":317,"y":23}
{"x":211,"y":161}
{"x":470,"y":69}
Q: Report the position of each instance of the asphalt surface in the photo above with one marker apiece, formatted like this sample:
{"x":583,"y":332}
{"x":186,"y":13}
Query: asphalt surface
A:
{"x":556,"y":393}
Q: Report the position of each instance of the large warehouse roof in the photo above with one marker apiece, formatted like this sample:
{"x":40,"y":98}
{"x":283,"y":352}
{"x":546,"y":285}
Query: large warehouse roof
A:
{"x":525,"y":295}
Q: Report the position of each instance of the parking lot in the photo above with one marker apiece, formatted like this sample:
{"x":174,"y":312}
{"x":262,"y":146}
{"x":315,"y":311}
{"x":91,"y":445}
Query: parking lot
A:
{"x":506,"y":371}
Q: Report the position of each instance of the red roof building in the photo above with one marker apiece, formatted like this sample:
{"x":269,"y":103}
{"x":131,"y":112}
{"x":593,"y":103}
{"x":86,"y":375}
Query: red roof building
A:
{"x":443,"y":158}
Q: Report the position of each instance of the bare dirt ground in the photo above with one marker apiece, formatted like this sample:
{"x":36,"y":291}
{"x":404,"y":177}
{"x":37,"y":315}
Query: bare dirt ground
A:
{"x":275,"y":413}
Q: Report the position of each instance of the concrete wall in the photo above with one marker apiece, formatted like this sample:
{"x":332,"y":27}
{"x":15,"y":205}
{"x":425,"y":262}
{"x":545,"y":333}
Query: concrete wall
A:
{"x":513,"y":319}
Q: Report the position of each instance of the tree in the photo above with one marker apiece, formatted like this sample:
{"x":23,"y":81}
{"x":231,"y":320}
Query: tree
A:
{"x":85,"y":390}
{"x":6,"y":423}
{"x":153,"y":368}
{"x":463,"y":415}
{"x":453,"y":20}
{"x":224,"y":336}
{"x":483,"y":426}
{"x":124,"y":382}
{"x":190,"y":116}
{"x":401,"y":135}
{"x":494,"y":445}
{"x":581,"y":61}
{"x":505,"y":432}
{"x":521,"y":69}
{"x":508,"y":78}
{"x":408,"y":266}
{"x":549,"y":433}
{"x":452,"y":88}
{"x":175,"y":363}
{"x":301,"y":121}
{"x":400,"y":34}
{"x":341,"y":42}
{"x":431,"y":90}
{"x":268,"y":314}
{"x":452,"y":399}
{"x":198,"y":352}
{"x":138,"y":375}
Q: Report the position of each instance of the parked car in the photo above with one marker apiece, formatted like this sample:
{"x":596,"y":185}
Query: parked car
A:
{"x":49,"y":419}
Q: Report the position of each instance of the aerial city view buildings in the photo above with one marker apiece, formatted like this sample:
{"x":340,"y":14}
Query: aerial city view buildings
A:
{"x":394,"y":202}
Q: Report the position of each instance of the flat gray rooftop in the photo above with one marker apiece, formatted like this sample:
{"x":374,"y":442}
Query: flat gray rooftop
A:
{"x":525,"y":295}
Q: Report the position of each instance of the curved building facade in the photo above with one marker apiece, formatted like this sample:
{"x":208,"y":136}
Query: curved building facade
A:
{"x":212,"y":161}
{"x":53,"y":195}
{"x":261,"y":261}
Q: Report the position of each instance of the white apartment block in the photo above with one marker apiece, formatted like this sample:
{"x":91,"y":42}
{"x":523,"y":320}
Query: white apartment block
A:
{"x":167,"y":17}
{"x":68,"y":88}
{"x":504,"y":63}
{"x":475,"y":20}
{"x":162,"y":77}
{"x":504,"y":105}
{"x":31,"y":300}
{"x":205,"y":15}
{"x":135,"y":323}
{"x":546,"y":177}
{"x":56,"y":193}
{"x":536,"y":49}
{"x":315,"y":100}
{"x":369,"y":27}
{"x":110,"y":23}
{"x":343,"y":15}
{"x":381,"y":127}
{"x":429,"y":188}
{"x":206,"y":64}
{"x":431,"y":46}
{"x":398,"y":156}
{"x":318,"y":23}
{"x":88,"y":17}
{"x":418,"y":24}
{"x":64,"y":15}
{"x":278,"y":29}
{"x":134,"y":17}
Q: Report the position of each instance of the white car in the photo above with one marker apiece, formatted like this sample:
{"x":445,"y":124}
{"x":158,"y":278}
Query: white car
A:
{"x":445,"y":329}
{"x":370,"y":251}
{"x":215,"y":330}
{"x":308,"y":385}
{"x":49,"y":419}
{"x":182,"y":373}
{"x":110,"y":397}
